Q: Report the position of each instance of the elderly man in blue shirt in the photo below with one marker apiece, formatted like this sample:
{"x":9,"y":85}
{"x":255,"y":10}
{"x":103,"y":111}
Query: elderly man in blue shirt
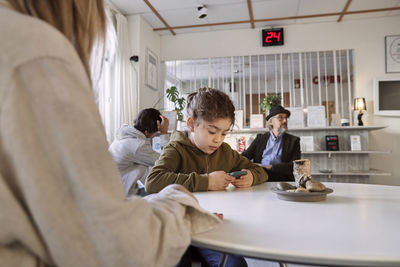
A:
{"x":276,"y":150}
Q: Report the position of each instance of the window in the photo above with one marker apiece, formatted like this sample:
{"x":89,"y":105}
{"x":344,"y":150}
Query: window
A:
{"x":303,"y":79}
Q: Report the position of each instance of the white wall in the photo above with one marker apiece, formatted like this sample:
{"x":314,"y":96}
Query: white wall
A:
{"x":366,"y":37}
{"x":142,"y":37}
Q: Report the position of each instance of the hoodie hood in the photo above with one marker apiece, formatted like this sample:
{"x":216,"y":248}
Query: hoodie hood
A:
{"x":182,"y":138}
{"x":128,"y":131}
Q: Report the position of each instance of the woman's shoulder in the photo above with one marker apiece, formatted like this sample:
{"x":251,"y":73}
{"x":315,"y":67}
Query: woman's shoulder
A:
{"x":29,"y":38}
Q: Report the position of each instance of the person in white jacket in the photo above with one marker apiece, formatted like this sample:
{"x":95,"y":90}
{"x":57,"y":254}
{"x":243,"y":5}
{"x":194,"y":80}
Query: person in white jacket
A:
{"x":61,"y":199}
{"x":132,"y":149}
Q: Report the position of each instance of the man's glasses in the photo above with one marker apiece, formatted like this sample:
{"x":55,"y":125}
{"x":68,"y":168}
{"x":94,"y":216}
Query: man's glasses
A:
{"x":281,"y":118}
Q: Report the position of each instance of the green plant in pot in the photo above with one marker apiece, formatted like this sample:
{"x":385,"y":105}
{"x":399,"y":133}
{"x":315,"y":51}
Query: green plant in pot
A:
{"x":179,"y":102}
{"x":270,"y":101}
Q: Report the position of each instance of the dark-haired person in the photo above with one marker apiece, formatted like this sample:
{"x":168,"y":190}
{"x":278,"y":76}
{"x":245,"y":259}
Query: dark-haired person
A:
{"x":276,"y":150}
{"x":61,"y":200}
{"x":132,"y":149}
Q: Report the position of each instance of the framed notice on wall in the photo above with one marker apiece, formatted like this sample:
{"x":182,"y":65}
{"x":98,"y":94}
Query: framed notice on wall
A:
{"x":171,"y":115}
{"x":256,"y":121}
{"x":307,"y":143}
{"x":296,"y":117}
{"x":238,"y":119}
{"x":316,"y":116}
{"x":151,"y":69}
{"x":392,"y":49}
{"x":355,"y":142}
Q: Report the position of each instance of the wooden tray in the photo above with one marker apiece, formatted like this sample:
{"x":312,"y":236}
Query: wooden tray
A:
{"x":302,"y":196}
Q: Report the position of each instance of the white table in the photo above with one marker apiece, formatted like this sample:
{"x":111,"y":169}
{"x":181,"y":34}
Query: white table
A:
{"x":358,"y":225}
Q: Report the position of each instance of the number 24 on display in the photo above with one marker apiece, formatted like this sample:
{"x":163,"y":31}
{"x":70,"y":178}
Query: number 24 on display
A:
{"x":273,"y":35}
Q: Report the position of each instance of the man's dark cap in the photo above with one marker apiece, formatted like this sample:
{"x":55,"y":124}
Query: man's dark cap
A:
{"x":277,"y":110}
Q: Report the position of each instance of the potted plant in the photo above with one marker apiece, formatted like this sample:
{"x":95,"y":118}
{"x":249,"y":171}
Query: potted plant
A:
{"x":269,"y":101}
{"x":179,"y":102}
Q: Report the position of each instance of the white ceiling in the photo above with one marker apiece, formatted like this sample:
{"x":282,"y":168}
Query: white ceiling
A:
{"x":184,"y":12}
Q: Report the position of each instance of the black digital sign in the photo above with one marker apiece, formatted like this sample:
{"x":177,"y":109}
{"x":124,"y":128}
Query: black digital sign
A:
{"x":272,"y":37}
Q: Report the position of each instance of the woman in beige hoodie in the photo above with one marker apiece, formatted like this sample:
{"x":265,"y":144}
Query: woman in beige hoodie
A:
{"x":61,"y":197}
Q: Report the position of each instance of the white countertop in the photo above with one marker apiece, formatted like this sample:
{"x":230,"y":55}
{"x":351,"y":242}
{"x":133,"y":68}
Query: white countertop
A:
{"x":358,"y":225}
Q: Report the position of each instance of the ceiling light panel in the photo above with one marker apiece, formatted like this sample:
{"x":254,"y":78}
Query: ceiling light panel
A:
{"x":274,"y":9}
{"x":311,"y":7}
{"x":372,"y":4}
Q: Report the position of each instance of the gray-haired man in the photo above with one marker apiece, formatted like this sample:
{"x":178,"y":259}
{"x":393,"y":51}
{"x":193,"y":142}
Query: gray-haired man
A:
{"x":276,"y":150}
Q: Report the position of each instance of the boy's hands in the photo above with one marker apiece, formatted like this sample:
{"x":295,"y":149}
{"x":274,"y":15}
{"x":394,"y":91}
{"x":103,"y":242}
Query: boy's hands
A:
{"x":219,"y":180}
{"x":244,"y":180}
{"x":163,"y":126}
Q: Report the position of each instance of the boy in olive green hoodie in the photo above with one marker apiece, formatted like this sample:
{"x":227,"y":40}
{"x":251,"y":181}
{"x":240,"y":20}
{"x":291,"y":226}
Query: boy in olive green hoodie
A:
{"x":199,"y":159}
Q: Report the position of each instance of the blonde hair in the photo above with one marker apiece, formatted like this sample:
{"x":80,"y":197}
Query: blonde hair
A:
{"x":81,"y":21}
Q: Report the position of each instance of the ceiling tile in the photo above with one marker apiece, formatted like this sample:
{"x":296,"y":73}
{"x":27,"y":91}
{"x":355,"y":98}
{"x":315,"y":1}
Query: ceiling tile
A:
{"x":370,"y":15}
{"x":130,"y":7}
{"x":310,"y":7}
{"x":233,"y":12}
{"x":163,"y":5}
{"x":274,"y":9}
{"x":372,"y":4}
{"x":179,"y":17}
{"x":154,"y":21}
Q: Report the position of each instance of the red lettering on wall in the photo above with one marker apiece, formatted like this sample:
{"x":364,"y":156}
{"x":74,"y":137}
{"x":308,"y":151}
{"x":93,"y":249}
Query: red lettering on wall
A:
{"x":329,"y":79}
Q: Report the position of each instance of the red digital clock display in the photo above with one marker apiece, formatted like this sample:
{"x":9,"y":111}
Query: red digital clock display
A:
{"x":271,"y":37}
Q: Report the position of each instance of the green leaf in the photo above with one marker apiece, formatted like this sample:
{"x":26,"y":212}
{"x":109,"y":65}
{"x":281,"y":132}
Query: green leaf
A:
{"x":269,"y":101}
{"x":179,"y":102}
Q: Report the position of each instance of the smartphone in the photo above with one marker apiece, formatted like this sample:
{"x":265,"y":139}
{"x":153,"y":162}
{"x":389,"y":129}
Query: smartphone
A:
{"x":237,"y":174}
